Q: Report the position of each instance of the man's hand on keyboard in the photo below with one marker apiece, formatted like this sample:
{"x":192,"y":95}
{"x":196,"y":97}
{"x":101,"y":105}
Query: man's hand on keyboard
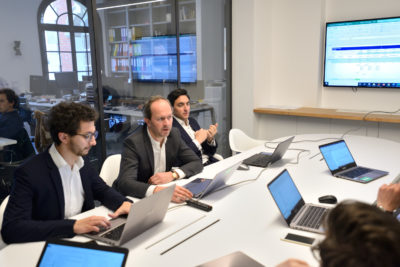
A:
{"x":123,"y":209}
{"x":90,"y":224}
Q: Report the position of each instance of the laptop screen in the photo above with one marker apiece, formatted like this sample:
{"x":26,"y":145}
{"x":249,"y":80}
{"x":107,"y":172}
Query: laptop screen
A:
{"x":69,"y":254}
{"x":337,"y":155}
{"x":285,"y":193}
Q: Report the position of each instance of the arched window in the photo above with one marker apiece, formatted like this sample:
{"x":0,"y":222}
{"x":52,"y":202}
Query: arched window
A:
{"x":64,"y":38}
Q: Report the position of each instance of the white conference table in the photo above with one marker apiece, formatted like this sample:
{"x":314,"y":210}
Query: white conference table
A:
{"x":245,"y":216}
{"x":6,"y":142}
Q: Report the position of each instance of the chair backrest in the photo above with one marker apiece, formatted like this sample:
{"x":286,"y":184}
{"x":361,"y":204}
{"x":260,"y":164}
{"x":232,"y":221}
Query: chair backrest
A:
{"x":110,"y":169}
{"x":2,"y":209}
{"x":239,"y":141}
{"x":23,"y":149}
{"x":42,"y":133}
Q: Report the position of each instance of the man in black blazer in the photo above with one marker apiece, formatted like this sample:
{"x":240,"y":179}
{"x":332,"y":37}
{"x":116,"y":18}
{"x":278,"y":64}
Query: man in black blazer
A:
{"x":151,"y":152}
{"x":57,"y":184}
{"x":201,"y":141}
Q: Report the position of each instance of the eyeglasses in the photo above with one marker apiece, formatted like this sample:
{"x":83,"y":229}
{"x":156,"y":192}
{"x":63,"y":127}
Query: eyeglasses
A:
{"x":89,"y":136}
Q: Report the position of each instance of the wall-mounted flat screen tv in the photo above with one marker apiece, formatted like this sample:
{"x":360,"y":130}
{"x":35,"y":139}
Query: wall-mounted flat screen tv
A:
{"x":363,"y":53}
{"x":154,"y":59}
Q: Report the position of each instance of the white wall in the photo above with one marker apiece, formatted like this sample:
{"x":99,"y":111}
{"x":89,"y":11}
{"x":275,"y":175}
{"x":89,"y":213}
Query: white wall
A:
{"x":277,"y":60}
{"x":18,"y":23}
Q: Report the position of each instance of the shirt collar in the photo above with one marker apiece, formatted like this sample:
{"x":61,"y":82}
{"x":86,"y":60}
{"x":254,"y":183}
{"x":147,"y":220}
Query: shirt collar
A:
{"x":181,"y":122}
{"x":59,"y":160}
{"x":153,"y":141}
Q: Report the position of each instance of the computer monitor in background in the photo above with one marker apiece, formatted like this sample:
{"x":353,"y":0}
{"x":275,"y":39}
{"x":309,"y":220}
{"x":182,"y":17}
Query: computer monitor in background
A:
{"x":66,"y":82}
{"x":38,"y":85}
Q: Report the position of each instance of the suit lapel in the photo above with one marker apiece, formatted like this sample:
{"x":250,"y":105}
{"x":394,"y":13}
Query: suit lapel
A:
{"x":148,"y":149}
{"x":56,"y":179}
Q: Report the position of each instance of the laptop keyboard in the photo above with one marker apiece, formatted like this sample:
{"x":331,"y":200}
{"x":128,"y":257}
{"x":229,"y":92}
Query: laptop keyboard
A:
{"x":114,"y":234}
{"x":312,"y":217}
{"x":356,"y":172}
{"x":259,"y":160}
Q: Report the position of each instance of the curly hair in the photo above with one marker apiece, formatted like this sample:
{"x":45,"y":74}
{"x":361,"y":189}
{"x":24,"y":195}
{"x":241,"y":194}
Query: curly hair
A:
{"x":11,"y":96}
{"x":67,"y":116}
{"x":359,"y":234}
{"x":175,"y":94}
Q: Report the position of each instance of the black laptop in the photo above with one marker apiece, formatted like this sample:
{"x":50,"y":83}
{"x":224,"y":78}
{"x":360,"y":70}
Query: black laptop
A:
{"x":59,"y":252}
{"x":263,"y":159}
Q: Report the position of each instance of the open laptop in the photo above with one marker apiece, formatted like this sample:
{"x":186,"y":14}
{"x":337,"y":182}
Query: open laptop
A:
{"x":341,"y":163}
{"x":235,"y":259}
{"x":297,"y":214}
{"x":263,"y":159}
{"x":143,"y":215}
{"x":201,"y":186}
{"x":58,"y":252}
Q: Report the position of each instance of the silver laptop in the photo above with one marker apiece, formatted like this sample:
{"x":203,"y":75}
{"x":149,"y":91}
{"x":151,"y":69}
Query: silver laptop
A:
{"x":297,"y":214}
{"x":264,"y":159}
{"x":341,"y":163}
{"x":143,"y":215}
{"x":202,"y":186}
{"x":235,"y":259}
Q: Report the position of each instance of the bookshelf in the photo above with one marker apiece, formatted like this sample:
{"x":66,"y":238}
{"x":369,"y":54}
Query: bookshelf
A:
{"x":127,"y":24}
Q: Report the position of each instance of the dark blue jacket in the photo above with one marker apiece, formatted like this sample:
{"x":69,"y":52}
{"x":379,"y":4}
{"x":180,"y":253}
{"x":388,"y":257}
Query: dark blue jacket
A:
{"x":10,"y":124}
{"x":35,"y":209}
{"x":207,"y":149}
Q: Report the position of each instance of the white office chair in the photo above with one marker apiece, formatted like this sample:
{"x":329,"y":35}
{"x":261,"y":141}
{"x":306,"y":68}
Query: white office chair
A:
{"x":110,"y":169}
{"x":2,"y":209}
{"x":239,"y":141}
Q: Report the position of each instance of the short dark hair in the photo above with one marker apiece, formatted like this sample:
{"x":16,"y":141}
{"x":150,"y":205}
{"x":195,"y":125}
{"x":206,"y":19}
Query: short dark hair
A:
{"x":11,"y":96}
{"x":147,"y":106}
{"x":172,"y":96}
{"x":358,"y":234}
{"x":66,"y":118}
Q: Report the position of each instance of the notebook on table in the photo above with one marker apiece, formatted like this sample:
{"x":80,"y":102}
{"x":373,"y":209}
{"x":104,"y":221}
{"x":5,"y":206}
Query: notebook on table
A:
{"x":202,"y":186}
{"x":263,"y":159}
{"x":143,"y":215}
{"x":68,"y":253}
{"x":297,"y":214}
{"x":342,"y":165}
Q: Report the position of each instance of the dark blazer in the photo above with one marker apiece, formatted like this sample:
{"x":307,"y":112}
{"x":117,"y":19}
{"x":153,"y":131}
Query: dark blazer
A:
{"x":207,"y":149}
{"x":137,"y":163}
{"x":35,"y":209}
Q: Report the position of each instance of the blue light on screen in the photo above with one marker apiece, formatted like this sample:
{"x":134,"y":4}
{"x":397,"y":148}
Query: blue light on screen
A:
{"x":67,"y":256}
{"x":337,"y":155}
{"x":285,"y":193}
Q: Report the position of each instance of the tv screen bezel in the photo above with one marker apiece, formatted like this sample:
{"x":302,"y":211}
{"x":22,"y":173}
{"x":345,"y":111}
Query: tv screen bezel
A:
{"x":324,"y":54}
{"x":167,"y":80}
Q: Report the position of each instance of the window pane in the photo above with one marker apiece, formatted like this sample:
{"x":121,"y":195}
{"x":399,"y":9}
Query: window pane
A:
{"x":53,"y":61}
{"x":80,"y":11}
{"x":60,"y":6}
{"x":51,"y":41}
{"x":80,"y":41}
{"x":77,"y":21}
{"x":65,"y":41}
{"x":66,"y":62}
{"x":49,"y":16}
{"x":81,"y":61}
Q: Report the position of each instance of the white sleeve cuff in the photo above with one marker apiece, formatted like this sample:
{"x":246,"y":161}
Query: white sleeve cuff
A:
{"x":197,"y":144}
{"x":150,"y":190}
{"x":180,"y":173}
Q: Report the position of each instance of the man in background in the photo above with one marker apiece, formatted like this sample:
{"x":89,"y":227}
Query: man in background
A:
{"x":201,"y":141}
{"x":10,"y":121}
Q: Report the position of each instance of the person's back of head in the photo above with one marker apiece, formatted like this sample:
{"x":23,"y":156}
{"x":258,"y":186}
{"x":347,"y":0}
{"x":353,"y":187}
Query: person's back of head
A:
{"x":358,"y":234}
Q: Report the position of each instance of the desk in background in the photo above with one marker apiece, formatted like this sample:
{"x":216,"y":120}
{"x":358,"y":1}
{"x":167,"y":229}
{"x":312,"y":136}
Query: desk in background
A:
{"x":249,"y":220}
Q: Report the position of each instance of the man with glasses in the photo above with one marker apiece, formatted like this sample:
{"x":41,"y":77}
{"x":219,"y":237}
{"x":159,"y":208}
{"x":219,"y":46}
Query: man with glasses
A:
{"x":151,"y":153}
{"x":57,"y":184}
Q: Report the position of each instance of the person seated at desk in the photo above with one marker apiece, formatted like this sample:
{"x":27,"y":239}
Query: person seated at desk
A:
{"x":10,"y":121}
{"x":149,"y":154}
{"x":57,"y":184}
{"x":201,"y":141}
{"x":357,"y":234}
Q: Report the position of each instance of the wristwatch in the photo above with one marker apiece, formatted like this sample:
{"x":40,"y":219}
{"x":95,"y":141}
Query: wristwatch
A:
{"x":387,"y":211}
{"x":175,"y":175}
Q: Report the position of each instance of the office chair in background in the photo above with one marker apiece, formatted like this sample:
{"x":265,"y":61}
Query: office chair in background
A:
{"x":240,"y":142}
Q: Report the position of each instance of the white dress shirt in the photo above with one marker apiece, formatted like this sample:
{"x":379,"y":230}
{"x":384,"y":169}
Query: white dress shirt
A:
{"x":71,"y":183}
{"x":188,"y":129}
{"x":160,"y":162}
